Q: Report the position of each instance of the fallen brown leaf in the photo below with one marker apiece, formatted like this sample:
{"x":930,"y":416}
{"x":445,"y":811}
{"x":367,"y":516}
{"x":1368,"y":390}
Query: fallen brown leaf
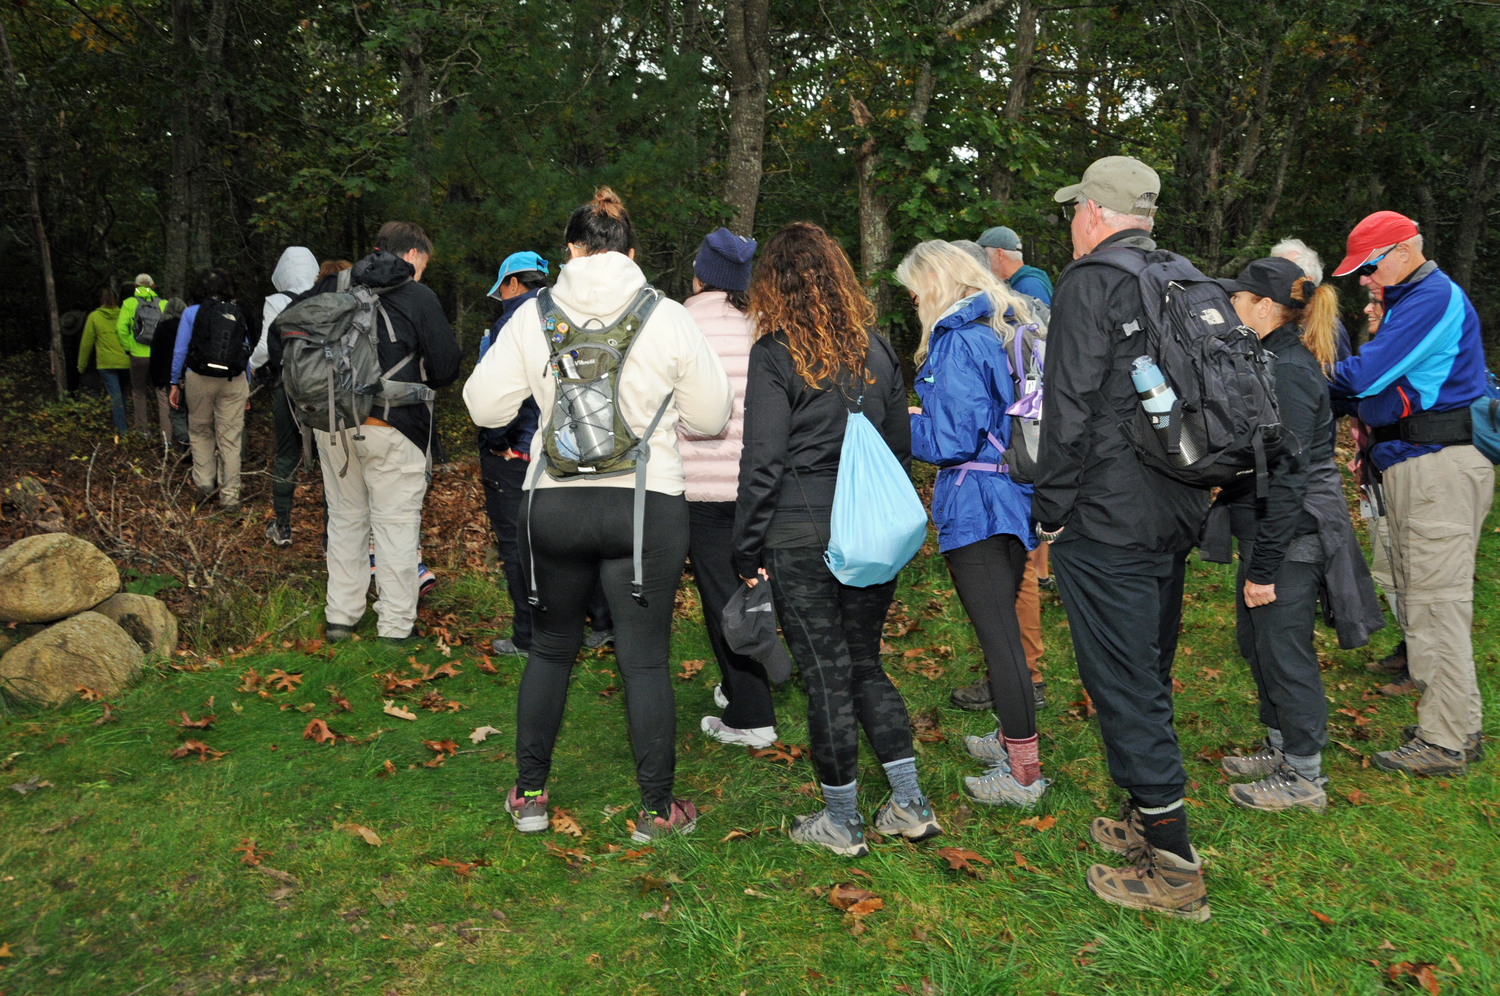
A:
{"x":461,"y":868}
{"x":1040,"y":823}
{"x":284,"y":682}
{"x":252,"y":854}
{"x":441,"y":745}
{"x":959,"y":860}
{"x":108,"y":716}
{"x":1421,"y":973}
{"x":690,"y":670}
{"x":481,"y":733}
{"x":563,"y":821}
{"x":364,"y":833}
{"x":1323,"y":918}
{"x":319,"y":731}
{"x":203,"y":750}
{"x":392,"y":709}
{"x":1357,"y":797}
{"x":339,"y":701}
{"x":486,"y":666}
{"x":88,"y":694}
{"x":853,"y":900}
{"x":386,"y":770}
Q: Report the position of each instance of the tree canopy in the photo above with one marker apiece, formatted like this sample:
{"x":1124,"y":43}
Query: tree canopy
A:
{"x":174,"y":135}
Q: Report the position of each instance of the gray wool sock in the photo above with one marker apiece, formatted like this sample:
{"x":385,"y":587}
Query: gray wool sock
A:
{"x":1273,"y":737}
{"x":841,"y":802}
{"x":902,"y":775}
{"x":1309,"y":766}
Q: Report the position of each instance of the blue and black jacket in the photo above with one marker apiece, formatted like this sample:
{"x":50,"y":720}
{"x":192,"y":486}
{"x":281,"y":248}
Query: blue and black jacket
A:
{"x":1427,"y":357}
{"x":517,"y":435}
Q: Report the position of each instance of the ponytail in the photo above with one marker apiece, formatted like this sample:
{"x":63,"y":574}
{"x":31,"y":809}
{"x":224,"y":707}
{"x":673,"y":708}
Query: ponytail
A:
{"x":601,"y":225}
{"x":1318,"y":317}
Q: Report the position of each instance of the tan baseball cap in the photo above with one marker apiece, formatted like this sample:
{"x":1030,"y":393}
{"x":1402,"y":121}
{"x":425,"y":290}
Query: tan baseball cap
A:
{"x":1119,"y":183}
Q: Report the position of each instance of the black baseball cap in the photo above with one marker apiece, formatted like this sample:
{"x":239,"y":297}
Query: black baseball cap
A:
{"x":1272,"y":277}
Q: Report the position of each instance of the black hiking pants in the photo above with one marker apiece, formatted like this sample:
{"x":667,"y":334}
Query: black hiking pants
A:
{"x":1277,"y":642}
{"x":711,"y":547}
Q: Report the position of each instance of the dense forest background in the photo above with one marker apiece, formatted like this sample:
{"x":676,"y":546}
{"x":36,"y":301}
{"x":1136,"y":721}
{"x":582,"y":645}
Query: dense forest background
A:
{"x":172,"y":135}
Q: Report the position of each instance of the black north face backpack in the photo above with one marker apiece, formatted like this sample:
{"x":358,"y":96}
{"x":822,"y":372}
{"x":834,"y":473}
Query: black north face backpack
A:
{"x":219,"y":347}
{"x":1224,"y":426}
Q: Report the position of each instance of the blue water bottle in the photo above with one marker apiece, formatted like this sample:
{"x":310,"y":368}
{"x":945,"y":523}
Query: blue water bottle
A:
{"x":1157,"y":396}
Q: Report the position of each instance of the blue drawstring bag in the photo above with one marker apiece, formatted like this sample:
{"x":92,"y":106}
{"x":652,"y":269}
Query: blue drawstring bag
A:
{"x":878,"y":522}
{"x":1486,"y":415}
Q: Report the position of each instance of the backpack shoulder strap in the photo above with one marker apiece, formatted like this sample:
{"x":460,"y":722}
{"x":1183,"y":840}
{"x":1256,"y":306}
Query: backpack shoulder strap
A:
{"x":640,"y":309}
{"x":345,"y":278}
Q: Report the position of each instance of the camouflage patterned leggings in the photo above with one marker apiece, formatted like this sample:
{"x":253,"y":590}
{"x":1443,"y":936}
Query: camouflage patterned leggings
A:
{"x":833,"y":631}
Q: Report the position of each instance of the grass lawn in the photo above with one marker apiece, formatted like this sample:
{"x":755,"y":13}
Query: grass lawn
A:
{"x":128,"y":875}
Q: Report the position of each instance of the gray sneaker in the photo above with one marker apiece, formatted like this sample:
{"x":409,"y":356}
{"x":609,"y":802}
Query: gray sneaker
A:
{"x":1260,"y":764}
{"x":998,"y":787}
{"x":1281,"y":790}
{"x":1473,"y":743}
{"x":990,"y":749}
{"x":528,"y":813}
{"x":918,"y":823}
{"x":334,"y":632}
{"x":847,"y":839}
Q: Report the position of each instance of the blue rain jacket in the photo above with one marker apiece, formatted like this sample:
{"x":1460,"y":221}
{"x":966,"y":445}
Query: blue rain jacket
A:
{"x":965,"y":387}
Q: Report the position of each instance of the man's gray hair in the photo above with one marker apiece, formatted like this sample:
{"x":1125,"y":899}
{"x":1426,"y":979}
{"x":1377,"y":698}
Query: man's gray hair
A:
{"x":1303,"y":255}
{"x":974,"y":249}
{"x":1119,"y":220}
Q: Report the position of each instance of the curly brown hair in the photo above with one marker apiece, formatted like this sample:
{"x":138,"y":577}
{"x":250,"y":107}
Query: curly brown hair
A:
{"x":805,"y":287}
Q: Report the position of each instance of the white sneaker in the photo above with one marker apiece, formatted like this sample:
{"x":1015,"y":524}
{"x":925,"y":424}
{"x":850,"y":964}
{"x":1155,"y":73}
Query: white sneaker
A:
{"x":720,"y":699}
{"x":761,"y":736}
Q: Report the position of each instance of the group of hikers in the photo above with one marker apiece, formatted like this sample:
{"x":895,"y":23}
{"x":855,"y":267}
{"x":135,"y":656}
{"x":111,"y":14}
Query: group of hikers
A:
{"x":623,"y":435}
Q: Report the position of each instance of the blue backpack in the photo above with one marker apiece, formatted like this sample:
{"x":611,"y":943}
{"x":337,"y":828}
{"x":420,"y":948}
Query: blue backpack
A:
{"x":878,"y":522}
{"x":1486,"y":417}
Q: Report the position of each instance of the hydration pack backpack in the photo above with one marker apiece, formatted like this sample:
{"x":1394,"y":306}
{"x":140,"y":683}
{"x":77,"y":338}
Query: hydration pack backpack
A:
{"x":1224,"y":425}
{"x":218,"y":348}
{"x":1025,"y":357}
{"x":330,"y":363}
{"x":147,"y":317}
{"x":585,"y":436}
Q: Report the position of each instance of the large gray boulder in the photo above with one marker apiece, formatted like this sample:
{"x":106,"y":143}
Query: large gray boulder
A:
{"x":148,"y":621}
{"x":89,"y":650}
{"x":49,"y":577}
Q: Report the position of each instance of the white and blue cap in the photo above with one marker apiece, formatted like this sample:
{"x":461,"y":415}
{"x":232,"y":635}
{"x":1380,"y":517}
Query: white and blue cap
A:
{"x":518,"y":262}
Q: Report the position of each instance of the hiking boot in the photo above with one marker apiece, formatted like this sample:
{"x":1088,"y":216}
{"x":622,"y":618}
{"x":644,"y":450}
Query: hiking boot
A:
{"x":998,"y":787}
{"x":426,"y":580}
{"x":596,"y":639}
{"x":528,"y":813}
{"x":1401,"y":685}
{"x":1159,"y":881}
{"x":1282,"y":789}
{"x":720,"y":699}
{"x":1263,"y":762}
{"x":1039,"y":695}
{"x":975,"y":697}
{"x":1418,"y":757}
{"x":1392,"y":663}
{"x":847,"y":839}
{"x":1126,"y":835}
{"x":507,"y":648}
{"x":1473,"y":743}
{"x":760,"y":736}
{"x":990,"y":749}
{"x":682,"y":818}
{"x":917,"y":823}
{"x":1047,"y":583}
{"x":400,"y":641}
{"x":333,"y":632}
{"x":279,"y":535}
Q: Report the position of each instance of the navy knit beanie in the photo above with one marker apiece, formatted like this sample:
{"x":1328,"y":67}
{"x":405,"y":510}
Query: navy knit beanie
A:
{"x":724,"y":260}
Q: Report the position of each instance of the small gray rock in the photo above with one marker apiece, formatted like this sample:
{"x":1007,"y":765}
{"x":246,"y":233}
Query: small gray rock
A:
{"x":49,"y":577}
{"x":89,"y":650}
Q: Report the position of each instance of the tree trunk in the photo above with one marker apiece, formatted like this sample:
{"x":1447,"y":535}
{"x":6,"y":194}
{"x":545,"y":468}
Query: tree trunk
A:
{"x":747,"y":56}
{"x":1022,"y":59}
{"x":184,"y":152}
{"x":874,"y":224}
{"x":416,"y":82}
{"x":38,"y":224}
{"x":1480,"y":190}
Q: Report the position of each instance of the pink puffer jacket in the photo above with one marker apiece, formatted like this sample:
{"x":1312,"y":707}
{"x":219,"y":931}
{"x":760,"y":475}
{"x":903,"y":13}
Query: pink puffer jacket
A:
{"x":712,"y":464}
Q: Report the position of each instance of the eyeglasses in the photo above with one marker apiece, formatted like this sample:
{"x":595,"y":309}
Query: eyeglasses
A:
{"x":1069,"y":210}
{"x":1367,"y":268}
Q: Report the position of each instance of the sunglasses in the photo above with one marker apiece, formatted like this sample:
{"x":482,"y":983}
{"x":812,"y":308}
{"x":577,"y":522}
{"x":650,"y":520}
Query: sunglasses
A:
{"x":1365,"y":269}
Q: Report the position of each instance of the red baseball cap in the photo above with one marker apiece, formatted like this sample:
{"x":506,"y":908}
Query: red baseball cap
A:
{"x":1381,"y":229}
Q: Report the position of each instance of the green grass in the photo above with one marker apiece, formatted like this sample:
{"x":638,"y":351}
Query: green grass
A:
{"x":122,"y":878}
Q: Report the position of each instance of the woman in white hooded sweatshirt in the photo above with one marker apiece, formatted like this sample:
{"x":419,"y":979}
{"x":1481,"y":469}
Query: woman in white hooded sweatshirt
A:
{"x":576,"y":530}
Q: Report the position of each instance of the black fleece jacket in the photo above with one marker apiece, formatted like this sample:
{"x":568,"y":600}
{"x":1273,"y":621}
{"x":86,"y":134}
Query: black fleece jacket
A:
{"x":791,"y":426}
{"x":1302,"y":399}
{"x":420,"y":326}
{"x":1089,"y":477}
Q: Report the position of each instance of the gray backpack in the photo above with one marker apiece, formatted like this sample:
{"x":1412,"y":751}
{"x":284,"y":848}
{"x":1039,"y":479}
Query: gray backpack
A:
{"x":330,"y":363}
{"x":147,"y":317}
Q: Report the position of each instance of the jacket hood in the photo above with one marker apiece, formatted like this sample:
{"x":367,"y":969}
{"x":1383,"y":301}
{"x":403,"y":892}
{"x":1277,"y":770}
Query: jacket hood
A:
{"x":145,"y":293}
{"x":295,"y":270}
{"x":382,"y":269}
{"x":598,"y":286}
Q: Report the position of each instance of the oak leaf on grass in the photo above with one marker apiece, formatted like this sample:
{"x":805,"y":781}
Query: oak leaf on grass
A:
{"x":400,"y":712}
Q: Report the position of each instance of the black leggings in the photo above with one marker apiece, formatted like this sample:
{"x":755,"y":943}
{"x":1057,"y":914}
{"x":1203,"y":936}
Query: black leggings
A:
{"x":745,"y":683}
{"x":986,"y":575}
{"x":580,"y":536}
{"x":833,"y":631}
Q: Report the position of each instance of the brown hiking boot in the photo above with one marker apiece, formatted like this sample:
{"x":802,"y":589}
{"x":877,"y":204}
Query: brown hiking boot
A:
{"x":1159,"y":881}
{"x":1125,"y":835}
{"x":1473,"y":743}
{"x":974,"y":698}
{"x":1392,"y":663}
{"x":1421,"y":758}
{"x":1402,"y":684}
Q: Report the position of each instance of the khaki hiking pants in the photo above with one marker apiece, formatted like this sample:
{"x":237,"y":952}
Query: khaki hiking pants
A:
{"x":380,"y":494}
{"x":1436,"y":505}
{"x":216,"y":419}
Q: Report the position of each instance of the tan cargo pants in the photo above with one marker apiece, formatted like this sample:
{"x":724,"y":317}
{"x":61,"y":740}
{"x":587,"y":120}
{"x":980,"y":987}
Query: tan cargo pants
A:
{"x":1436,"y":506}
{"x":216,"y":419}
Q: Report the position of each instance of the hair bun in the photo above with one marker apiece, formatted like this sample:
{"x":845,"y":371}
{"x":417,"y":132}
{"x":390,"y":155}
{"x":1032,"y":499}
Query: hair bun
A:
{"x":608,"y":203}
